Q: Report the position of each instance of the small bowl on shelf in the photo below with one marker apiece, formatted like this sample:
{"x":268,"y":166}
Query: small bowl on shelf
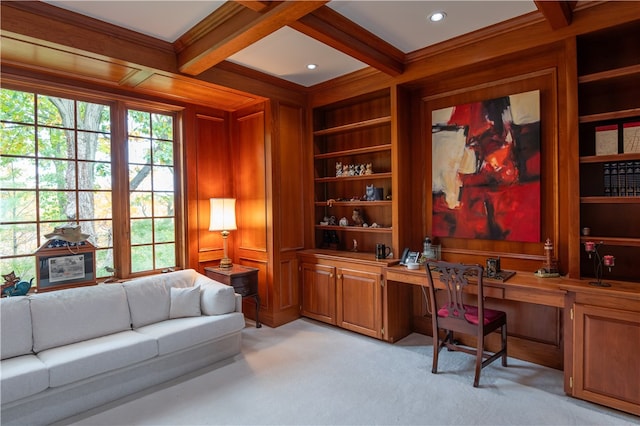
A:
{"x":413,"y":265}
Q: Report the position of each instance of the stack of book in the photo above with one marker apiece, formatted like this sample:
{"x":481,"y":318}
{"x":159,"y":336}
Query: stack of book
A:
{"x":622,"y":179}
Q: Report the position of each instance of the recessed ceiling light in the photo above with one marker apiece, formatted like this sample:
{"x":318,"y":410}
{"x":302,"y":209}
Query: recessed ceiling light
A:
{"x":437,"y":16}
{"x":311,"y":66}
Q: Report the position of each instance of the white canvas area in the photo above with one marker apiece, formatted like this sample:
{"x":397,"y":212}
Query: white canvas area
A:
{"x":308,"y":373}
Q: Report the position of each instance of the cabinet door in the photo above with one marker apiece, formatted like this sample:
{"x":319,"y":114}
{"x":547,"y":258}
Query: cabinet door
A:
{"x":319,"y":292}
{"x":359,"y":301}
{"x":606,"y":352}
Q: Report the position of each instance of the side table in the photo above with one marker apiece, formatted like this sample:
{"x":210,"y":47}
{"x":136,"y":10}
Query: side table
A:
{"x":243,"y":279}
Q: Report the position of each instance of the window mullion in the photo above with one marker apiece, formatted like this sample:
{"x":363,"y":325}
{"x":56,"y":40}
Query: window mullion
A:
{"x":120,"y":197}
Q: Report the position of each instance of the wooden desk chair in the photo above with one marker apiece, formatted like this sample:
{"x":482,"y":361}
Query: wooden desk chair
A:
{"x":456,"y":316}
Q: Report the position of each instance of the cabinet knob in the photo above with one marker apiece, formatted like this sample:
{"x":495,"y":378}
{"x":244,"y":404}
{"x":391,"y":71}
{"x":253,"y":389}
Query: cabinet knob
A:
{"x":331,"y":275}
{"x":339,"y":276}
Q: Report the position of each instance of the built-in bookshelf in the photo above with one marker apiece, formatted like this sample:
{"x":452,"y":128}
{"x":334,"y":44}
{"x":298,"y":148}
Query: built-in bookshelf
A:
{"x":609,"y":113}
{"x":352,"y":152}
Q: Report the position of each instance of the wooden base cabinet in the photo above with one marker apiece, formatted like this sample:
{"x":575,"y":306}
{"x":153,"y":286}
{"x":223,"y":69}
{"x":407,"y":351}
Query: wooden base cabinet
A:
{"x":318,"y":290}
{"x":359,"y":301}
{"x":349,"y":290}
{"x":606,"y":350}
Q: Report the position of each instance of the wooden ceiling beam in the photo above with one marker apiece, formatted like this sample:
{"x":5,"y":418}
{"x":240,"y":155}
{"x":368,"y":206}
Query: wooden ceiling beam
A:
{"x":256,"y":5}
{"x":558,"y":13}
{"x":333,"y":29}
{"x":239,"y":28}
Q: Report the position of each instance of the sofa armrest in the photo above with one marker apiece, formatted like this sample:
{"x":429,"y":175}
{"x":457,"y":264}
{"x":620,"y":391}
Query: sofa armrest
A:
{"x":217,"y":298}
{"x":238,"y":303}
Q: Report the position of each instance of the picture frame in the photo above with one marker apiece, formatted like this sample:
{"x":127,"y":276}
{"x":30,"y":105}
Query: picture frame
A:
{"x":65,"y":265}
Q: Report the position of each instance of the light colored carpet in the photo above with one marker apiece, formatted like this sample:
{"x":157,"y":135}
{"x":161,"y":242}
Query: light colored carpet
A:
{"x":308,"y":373}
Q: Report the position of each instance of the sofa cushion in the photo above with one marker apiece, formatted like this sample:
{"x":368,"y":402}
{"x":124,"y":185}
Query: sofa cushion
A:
{"x":185,"y":302}
{"x":215,"y":298}
{"x":181,"y":333}
{"x":15,"y":320}
{"x":149,"y":300}
{"x":22,"y":376}
{"x":77,"y":361}
{"x":73,"y":315}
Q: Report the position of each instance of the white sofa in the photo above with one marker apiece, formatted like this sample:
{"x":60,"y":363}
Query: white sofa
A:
{"x":67,"y":351}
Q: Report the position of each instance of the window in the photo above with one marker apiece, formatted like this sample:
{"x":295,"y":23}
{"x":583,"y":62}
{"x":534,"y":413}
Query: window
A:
{"x":58,"y":165}
{"x":151,"y":191}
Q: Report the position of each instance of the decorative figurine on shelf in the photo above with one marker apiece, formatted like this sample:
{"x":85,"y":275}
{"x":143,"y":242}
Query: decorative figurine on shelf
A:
{"x":344,"y":222}
{"x":370,"y":192}
{"x":358,"y":218}
{"x":355,"y":245}
{"x":598,"y":261}
{"x":338,"y":168}
{"x":368,"y":169}
{"x":345,"y":170}
{"x":550,"y":266}
{"x":352,"y":170}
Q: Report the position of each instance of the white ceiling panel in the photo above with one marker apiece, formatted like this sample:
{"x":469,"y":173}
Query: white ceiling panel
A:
{"x":405,"y":24}
{"x":166,"y":20}
{"x":286,"y":53}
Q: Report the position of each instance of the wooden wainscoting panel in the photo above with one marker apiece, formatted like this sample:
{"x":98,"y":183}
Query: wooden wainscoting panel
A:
{"x":250,"y":173}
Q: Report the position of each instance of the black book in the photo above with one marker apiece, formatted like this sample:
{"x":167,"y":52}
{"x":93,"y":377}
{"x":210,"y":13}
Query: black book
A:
{"x":607,"y":179}
{"x":614,"y":179}
{"x":636,"y":174}
{"x":632,"y":179}
{"x":622,"y":179}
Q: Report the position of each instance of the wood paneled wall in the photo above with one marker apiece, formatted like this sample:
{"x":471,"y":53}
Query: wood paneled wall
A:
{"x":208,"y":156}
{"x":537,"y":69}
{"x":535,"y":331}
{"x":268,"y":152}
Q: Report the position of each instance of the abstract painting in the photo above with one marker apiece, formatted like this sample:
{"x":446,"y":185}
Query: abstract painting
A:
{"x":486,"y":169}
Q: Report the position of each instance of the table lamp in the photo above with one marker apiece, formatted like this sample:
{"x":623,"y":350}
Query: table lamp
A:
{"x":223,"y":218}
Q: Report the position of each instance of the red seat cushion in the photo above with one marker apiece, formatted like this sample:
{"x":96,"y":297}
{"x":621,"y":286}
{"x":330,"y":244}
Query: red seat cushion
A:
{"x":471,"y":314}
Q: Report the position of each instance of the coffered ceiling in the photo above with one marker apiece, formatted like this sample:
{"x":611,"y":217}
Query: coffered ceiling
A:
{"x":281,"y":38}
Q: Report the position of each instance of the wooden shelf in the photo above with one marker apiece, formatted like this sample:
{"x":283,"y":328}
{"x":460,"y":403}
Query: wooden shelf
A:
{"x":610,"y":158}
{"x":355,"y":229}
{"x":610,"y":115}
{"x":385,"y":175}
{"x":610,"y":200}
{"x":609,"y":74}
{"x":355,"y":151}
{"x":355,"y":203}
{"x":613,"y":241}
{"x":353,"y":126}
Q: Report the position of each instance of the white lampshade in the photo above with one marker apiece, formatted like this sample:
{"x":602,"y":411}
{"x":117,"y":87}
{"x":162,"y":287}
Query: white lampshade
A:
{"x":223,"y":214}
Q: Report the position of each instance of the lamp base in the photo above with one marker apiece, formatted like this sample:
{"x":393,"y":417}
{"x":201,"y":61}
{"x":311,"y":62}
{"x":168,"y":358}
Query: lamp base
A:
{"x":225,"y":263}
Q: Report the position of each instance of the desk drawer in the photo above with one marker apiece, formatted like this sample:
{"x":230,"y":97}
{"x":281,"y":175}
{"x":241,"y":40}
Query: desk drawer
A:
{"x":492,"y":292}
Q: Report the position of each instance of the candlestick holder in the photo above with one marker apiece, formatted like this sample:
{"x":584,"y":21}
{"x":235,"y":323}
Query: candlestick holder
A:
{"x":598,"y":262}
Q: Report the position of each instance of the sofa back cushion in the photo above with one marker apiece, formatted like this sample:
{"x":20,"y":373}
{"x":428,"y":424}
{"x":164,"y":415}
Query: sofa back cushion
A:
{"x":68,"y":316}
{"x":15,"y":322}
{"x":149,"y":300}
{"x":150,"y":297}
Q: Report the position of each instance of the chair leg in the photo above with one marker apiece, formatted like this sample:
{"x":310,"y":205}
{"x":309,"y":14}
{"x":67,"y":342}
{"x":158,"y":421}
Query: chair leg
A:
{"x":436,"y":350}
{"x":504,"y":345}
{"x":479,"y":357}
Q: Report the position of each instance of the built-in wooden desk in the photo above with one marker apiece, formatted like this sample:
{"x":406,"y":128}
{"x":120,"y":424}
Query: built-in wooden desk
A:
{"x":521,"y":287}
{"x":595,"y":336}
{"x":534,"y":308}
